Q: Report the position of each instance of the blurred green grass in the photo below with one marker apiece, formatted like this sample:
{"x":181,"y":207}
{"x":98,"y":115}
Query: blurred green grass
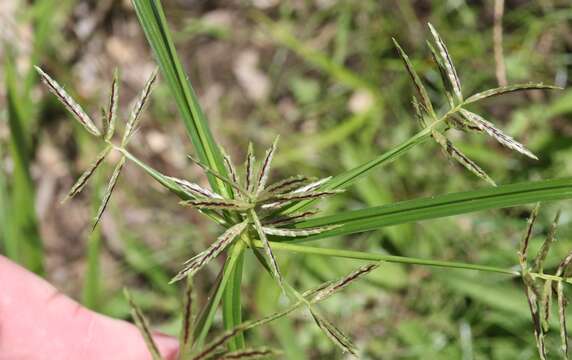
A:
{"x":319,"y":57}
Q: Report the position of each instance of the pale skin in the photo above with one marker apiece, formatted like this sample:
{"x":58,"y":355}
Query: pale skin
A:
{"x":39,"y":322}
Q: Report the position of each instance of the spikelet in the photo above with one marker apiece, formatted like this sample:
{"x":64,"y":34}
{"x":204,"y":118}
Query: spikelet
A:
{"x":138,"y":108}
{"x":448,"y":64}
{"x":109,"y":191}
{"x":69,"y":102}
{"x":111,"y":114}
{"x":80,"y":183}
{"x":143,"y":326}
{"x":265,"y":168}
{"x":198,"y":262}
{"x":298,"y":232}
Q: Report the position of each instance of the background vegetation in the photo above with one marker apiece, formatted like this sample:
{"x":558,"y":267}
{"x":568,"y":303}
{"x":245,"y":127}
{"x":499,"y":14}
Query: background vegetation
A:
{"x":325,"y":75}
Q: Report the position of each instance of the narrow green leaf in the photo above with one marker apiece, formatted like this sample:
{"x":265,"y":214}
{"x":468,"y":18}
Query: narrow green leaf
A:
{"x":153,"y":22}
{"x":440,"y":206}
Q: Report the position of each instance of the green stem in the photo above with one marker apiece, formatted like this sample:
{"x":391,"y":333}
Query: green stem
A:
{"x":360,"y":255}
{"x":231,"y":303}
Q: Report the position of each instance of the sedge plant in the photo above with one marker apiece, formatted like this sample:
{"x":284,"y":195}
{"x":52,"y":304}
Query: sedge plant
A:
{"x":265,"y":217}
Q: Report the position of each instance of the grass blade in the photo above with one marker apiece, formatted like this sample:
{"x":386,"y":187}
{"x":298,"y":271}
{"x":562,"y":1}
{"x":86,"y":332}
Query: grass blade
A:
{"x":441,"y":206}
{"x":153,"y":22}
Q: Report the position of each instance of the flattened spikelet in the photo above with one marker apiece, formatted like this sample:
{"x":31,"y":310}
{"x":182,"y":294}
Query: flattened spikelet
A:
{"x":254,"y":353}
{"x":449,"y":91}
{"x":508,"y":89}
{"x":109,"y":190}
{"x":195,"y":190}
{"x":546,"y":305}
{"x":543,"y":252}
{"x":80,"y":183}
{"x":334,"y":334}
{"x":336,"y":286}
{"x":496,"y":134}
{"x":292,"y":218}
{"x":111,"y":113}
{"x":218,"y":204}
{"x":313,"y":185}
{"x":143,"y":326}
{"x":217,"y":175}
{"x":138,"y":108}
{"x":186,"y":332}
{"x":265,"y":168}
{"x":199,"y":261}
{"x":456,"y":154}
{"x":523,"y":252}
{"x":68,"y":102}
{"x":281,"y":200}
{"x":287,"y":184}
{"x":562,"y":317}
{"x":269,"y":254}
{"x":249,"y":168}
{"x":423,"y":96}
{"x":298,"y":232}
{"x":448,"y":63}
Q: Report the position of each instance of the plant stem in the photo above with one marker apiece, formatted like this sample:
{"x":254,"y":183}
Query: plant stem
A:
{"x":360,"y":255}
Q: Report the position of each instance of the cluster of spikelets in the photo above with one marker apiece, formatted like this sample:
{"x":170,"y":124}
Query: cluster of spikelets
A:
{"x":457,"y":116}
{"x":540,"y":287}
{"x":257,"y":210}
{"x":215,"y":349}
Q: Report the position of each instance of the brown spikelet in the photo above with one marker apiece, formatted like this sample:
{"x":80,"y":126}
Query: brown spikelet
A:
{"x":80,"y":183}
{"x":143,"y":326}
{"x":268,"y":250}
{"x":543,"y":252}
{"x":186,"y":332}
{"x":334,"y":334}
{"x":445,"y":79}
{"x":523,"y":252}
{"x":289,"y":219}
{"x":287,"y":184}
{"x":265,"y":168}
{"x":68,"y":102}
{"x":218,"y":204}
{"x":249,"y":354}
{"x":218,"y":175}
{"x":138,"y":108}
{"x":546,"y":305}
{"x":109,"y":190}
{"x":249,"y":169}
{"x":194,"y":190}
{"x":336,"y":286}
{"x":562,"y":317}
{"x":197,"y":262}
{"x":111,"y":113}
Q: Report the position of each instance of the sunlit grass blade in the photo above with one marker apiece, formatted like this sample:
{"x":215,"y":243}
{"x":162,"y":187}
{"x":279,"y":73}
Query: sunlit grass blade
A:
{"x":495,"y":133}
{"x":69,"y":103}
{"x":111,"y":115}
{"x":265,"y":167}
{"x":109,"y":190}
{"x":138,"y":107}
{"x":82,"y":181}
{"x":440,"y":206}
{"x":508,"y":89}
{"x":421,"y":91}
{"x":153,"y":21}
{"x":143,"y":326}
{"x":334,"y":334}
{"x":456,"y":154}
{"x":448,"y":62}
{"x":197,"y":262}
